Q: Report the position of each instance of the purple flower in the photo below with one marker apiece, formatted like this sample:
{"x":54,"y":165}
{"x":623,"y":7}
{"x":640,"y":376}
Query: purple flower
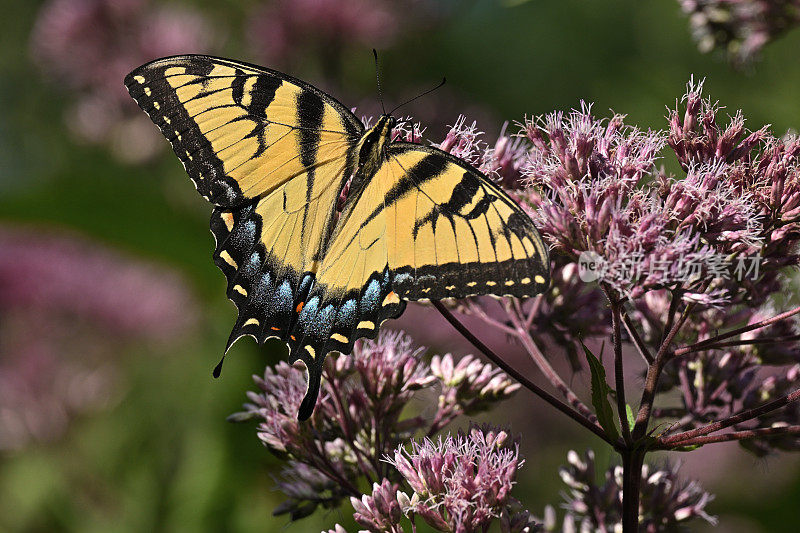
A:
{"x":470,"y":386}
{"x":698,"y":138}
{"x":583,"y":175}
{"x":504,"y":161}
{"x":464,"y":141}
{"x":586,"y":179}
{"x":391,"y":368}
{"x":305,"y":488}
{"x":751,"y":186}
{"x":359,"y":418}
{"x":459,"y":483}
{"x":594,"y":189}
{"x":380,"y":511}
{"x":283,"y":390}
{"x":667,"y":502}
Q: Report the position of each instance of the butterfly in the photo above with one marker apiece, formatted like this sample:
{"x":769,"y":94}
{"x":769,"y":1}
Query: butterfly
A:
{"x":274,"y":156}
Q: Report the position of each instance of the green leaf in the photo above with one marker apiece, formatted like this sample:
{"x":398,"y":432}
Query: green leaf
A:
{"x":631,"y":418}
{"x":686,"y":448}
{"x":600,"y":392}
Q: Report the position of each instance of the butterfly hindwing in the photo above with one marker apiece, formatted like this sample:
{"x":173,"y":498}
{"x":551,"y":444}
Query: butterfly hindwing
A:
{"x":269,"y":251}
{"x":241,"y":130}
{"x":352,"y":294}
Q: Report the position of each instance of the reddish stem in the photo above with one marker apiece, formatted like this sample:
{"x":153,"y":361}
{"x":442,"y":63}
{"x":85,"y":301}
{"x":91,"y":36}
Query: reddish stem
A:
{"x":653,"y":373}
{"x":735,"y":435}
{"x":747,"y":342}
{"x":619,"y":371}
{"x":528,"y":384}
{"x":704,"y":344}
{"x":545,"y":367}
{"x":637,"y":339}
{"x":738,"y":418}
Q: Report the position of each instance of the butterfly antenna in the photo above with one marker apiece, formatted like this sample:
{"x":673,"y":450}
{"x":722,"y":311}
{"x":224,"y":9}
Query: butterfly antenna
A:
{"x":429,"y":91}
{"x":378,"y":79}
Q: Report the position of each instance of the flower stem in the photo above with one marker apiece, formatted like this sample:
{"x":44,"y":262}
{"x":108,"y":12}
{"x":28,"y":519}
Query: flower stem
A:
{"x":523,"y":335}
{"x":704,"y":344}
{"x":637,"y":339}
{"x":744,"y":342}
{"x":738,"y":418}
{"x":619,"y":371}
{"x":735,"y":435}
{"x":653,"y":373}
{"x":528,"y":384}
{"x":632,"y":461}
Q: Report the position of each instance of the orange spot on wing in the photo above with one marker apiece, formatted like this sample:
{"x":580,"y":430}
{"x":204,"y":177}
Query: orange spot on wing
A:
{"x":391,"y":298}
{"x":292,"y":337}
{"x":273,"y":328}
{"x":227,"y":218}
{"x":299,"y":307}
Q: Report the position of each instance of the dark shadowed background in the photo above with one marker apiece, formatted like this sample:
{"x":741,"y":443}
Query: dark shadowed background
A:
{"x":112,"y":314}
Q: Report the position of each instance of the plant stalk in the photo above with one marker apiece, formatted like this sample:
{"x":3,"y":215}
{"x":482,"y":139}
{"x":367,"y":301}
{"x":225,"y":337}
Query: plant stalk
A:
{"x":632,"y":461}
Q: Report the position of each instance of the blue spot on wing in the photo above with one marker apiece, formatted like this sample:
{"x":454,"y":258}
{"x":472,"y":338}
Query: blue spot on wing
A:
{"x":325,"y":318}
{"x":308,"y":314}
{"x":347,"y":312}
{"x":263,"y":288}
{"x":369,"y":301}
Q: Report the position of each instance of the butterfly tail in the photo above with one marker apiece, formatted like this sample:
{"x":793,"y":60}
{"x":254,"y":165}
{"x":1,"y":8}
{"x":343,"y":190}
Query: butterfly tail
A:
{"x":312,"y":392}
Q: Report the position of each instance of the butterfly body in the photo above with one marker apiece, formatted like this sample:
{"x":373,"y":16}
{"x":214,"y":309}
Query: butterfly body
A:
{"x":274,"y":155}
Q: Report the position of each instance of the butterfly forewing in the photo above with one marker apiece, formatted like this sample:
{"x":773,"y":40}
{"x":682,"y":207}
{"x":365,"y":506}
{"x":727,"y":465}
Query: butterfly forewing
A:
{"x":240,"y":130}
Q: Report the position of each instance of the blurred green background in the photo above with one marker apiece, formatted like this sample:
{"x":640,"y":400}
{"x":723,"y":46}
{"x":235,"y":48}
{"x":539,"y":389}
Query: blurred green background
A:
{"x":88,"y":189}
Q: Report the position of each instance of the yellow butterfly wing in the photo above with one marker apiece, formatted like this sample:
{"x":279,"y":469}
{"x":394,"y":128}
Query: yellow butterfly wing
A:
{"x":454,"y":233}
{"x":426,"y":226}
{"x":272,"y":154}
{"x":241,"y":130}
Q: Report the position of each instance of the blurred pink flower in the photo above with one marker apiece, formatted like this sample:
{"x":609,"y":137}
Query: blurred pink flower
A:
{"x":739,"y":28}
{"x":53,"y":275}
{"x":67,"y":306}
{"x":88,"y":46}
{"x":277,"y":29}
